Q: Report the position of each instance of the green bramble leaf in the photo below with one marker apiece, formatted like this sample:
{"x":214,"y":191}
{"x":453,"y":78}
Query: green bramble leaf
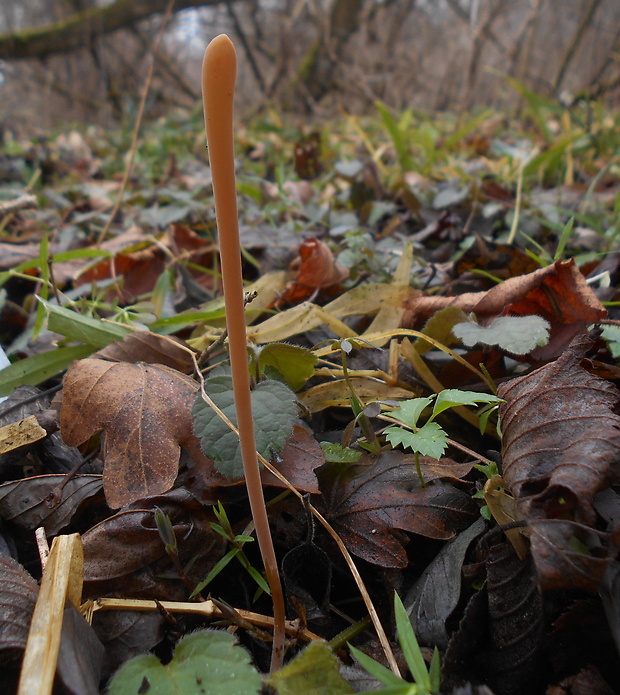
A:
{"x":429,"y":440}
{"x":315,"y":671}
{"x":408,"y":412}
{"x":449,"y":398}
{"x":295,"y":363}
{"x":273,"y":406}
{"x":336,"y":453}
{"x":208,"y":662}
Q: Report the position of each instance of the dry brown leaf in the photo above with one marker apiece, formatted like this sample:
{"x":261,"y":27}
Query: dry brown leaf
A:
{"x":561,"y":445}
{"x":145,"y":413}
{"x":367,"y":502}
{"x":316,"y":269}
{"x":144,"y":346}
{"x":559,"y":293}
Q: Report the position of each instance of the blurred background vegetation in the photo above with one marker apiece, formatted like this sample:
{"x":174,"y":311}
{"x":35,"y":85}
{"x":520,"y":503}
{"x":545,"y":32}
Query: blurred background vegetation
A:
{"x":65,"y":61}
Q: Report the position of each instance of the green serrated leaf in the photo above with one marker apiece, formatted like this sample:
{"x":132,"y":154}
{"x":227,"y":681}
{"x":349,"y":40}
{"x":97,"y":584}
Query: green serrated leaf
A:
{"x":448,"y":398}
{"x":85,"y":329}
{"x":429,"y":440}
{"x":336,"y":453}
{"x":516,"y":334}
{"x":274,"y":409}
{"x":313,"y":672}
{"x":208,"y":662}
{"x":409,"y":411}
{"x":295,"y":363}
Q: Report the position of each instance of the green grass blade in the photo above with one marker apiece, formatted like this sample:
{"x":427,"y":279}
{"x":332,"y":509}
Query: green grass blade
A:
{"x":376,"y":670}
{"x":409,"y":644}
{"x":34,"y":370}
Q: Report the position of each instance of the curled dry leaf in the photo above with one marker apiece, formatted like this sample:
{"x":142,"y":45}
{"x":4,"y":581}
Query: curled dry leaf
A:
{"x":316,"y":269}
{"x":561,"y":446}
{"x":144,"y":411}
{"x":368,"y":501}
{"x":559,"y":293}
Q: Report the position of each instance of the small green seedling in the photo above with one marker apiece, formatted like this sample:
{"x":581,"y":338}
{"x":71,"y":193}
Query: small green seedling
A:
{"x":426,"y":680}
{"x":430,"y":439}
{"x":237,"y":542}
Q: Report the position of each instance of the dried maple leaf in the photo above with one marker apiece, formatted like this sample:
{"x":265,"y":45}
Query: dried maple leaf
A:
{"x":145,"y":413}
{"x":559,"y":293}
{"x":561,"y":445}
{"x":316,"y":269}
{"x":368,"y":501}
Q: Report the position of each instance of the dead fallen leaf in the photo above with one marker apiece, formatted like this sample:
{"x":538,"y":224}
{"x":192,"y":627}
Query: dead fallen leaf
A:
{"x":145,"y":413}
{"x":316,"y":269}
{"x":559,"y":293}
{"x":125,"y":553}
{"x":297,"y":461}
{"x":368,"y":501}
{"x":561,"y":444}
{"x":29,"y":503}
{"x":144,"y":346}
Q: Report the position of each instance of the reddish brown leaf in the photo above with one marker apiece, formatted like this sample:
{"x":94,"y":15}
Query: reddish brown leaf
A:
{"x":560,"y":445}
{"x":558,"y":293}
{"x":316,"y":269}
{"x":297,"y":461}
{"x":368,"y":501}
{"x":145,"y":413}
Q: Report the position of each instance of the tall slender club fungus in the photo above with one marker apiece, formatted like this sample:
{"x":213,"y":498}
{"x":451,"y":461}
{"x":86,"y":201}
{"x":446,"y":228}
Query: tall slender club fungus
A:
{"x":219,"y":71}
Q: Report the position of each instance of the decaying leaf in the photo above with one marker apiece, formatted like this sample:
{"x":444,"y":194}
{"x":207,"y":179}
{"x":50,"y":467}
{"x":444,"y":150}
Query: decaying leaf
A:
{"x":561,"y":446}
{"x":366,"y":503}
{"x":316,"y":269}
{"x":125,"y":552}
{"x":144,"y":346}
{"x":558,"y":293}
{"x":50,"y":501}
{"x":145,"y":413}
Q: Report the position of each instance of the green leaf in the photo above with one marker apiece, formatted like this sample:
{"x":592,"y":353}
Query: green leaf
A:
{"x":376,"y":670}
{"x":409,"y":644}
{"x":34,"y":370}
{"x":274,"y":409}
{"x":85,"y":329}
{"x":336,"y":453}
{"x":449,"y":398}
{"x":516,"y":334}
{"x":429,"y":440}
{"x":204,"y":663}
{"x":313,"y":672}
{"x":409,"y":411}
{"x":295,"y":363}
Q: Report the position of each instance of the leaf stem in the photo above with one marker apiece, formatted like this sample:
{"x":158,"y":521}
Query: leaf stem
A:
{"x":219,"y":71}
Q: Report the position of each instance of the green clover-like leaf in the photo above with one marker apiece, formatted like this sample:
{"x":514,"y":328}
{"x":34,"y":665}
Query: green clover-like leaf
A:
{"x":409,"y":411}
